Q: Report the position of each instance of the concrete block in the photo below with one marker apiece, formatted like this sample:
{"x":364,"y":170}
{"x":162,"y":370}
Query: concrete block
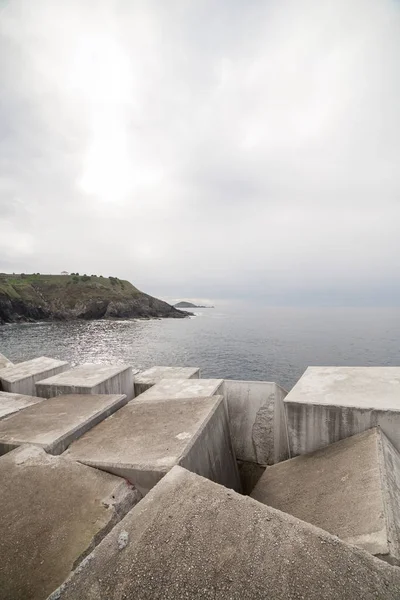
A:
{"x":143,"y":441}
{"x":21,"y":378}
{"x":12,"y":403}
{"x":89,"y":379}
{"x":350,"y":488}
{"x":53,"y":513}
{"x":257,"y":421}
{"x":146,"y":379}
{"x":191,"y":538}
{"x":53,"y":424}
{"x":329,"y":404}
{"x":182,"y":388}
{"x":4,"y":362}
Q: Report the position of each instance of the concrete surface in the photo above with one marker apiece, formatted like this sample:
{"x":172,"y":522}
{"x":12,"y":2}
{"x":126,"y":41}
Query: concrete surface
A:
{"x":351,"y":489}
{"x":53,"y":512}
{"x":53,"y":424}
{"x":21,"y":378}
{"x":329,"y":404}
{"x":4,"y":362}
{"x":12,"y":403}
{"x":249,"y":473}
{"x":190,"y":538}
{"x":146,"y":379}
{"x":89,"y":379}
{"x":257,"y":421}
{"x":143,"y":441}
{"x":182,"y":388}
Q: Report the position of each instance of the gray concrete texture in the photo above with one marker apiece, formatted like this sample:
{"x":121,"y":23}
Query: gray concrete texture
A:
{"x":351,"y":489}
{"x":4,"y":362}
{"x":257,"y":421}
{"x":182,"y":388}
{"x":146,"y":379}
{"x":142,"y":442}
{"x":329,"y":404}
{"x":54,"y":423}
{"x":53,"y":513}
{"x":191,"y":538}
{"x":12,"y":403}
{"x":89,"y":379}
{"x":21,"y":378}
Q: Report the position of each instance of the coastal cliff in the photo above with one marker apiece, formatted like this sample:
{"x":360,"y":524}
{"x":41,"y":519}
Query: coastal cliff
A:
{"x":64,"y":297}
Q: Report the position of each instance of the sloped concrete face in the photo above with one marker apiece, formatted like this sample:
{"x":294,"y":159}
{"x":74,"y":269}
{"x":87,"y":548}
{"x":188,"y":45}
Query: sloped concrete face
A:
{"x":190,"y":538}
{"x":4,"y":362}
{"x":89,"y":379}
{"x":21,"y":378}
{"x":256,"y":417}
{"x":329,"y":404}
{"x":12,"y":403}
{"x":53,"y":512}
{"x":142,"y":442}
{"x":350,"y":489}
{"x":182,"y":388}
{"x":53,"y":424}
{"x":148,"y":378}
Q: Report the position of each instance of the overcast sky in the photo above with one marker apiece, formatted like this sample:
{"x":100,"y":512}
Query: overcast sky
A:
{"x":205,"y":149}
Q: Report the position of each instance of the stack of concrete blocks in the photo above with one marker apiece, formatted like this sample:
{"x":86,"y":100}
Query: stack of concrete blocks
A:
{"x":21,"y":378}
{"x":329,"y":404}
{"x":53,"y":424}
{"x":191,"y":538}
{"x":145,"y":439}
{"x":53,"y":513}
{"x":350,"y":489}
{"x":89,"y":379}
{"x":12,"y":403}
{"x":146,"y":379}
{"x":258,"y":427}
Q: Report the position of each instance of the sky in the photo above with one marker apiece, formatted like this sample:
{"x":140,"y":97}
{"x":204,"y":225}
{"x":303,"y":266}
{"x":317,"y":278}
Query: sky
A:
{"x":221,"y":150}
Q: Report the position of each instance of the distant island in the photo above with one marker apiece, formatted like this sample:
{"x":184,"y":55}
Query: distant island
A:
{"x":184,"y":304}
{"x":37,"y":297}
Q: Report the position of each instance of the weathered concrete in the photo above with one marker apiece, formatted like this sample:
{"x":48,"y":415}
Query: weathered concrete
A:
{"x":351,"y":489}
{"x":21,"y":378}
{"x":257,"y":421}
{"x":12,"y":403}
{"x":329,"y":404}
{"x":89,"y":379}
{"x":4,"y":362}
{"x":148,"y":378}
{"x":53,"y":512}
{"x":249,"y":473}
{"x":53,"y":424}
{"x":190,"y":538}
{"x":143,"y":441}
{"x":182,"y":388}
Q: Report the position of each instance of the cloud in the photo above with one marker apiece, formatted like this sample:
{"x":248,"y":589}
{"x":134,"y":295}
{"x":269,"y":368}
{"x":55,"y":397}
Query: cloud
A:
{"x":202,"y":149}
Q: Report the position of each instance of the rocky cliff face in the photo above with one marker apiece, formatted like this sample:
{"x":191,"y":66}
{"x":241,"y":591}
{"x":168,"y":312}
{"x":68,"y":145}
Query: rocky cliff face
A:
{"x":51,"y":297}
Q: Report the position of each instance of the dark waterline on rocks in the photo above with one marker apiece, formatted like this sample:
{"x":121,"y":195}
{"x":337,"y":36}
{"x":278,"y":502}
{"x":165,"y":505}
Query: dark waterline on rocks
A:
{"x":275,"y":344}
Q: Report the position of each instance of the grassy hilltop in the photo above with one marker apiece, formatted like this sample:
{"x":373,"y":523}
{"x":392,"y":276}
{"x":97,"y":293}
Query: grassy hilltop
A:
{"x":61,"y":297}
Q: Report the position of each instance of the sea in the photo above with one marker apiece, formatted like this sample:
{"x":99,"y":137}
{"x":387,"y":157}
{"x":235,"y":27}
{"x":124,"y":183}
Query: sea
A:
{"x":230,"y":341}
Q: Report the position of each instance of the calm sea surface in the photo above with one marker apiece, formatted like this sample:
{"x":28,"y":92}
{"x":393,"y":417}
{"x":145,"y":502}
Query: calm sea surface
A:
{"x":274,"y":344}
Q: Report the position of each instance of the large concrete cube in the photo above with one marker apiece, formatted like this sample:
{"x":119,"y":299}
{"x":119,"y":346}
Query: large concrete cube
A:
{"x":21,"y":378}
{"x":191,"y":538}
{"x":329,"y":404}
{"x":182,"y":388}
{"x":89,"y":379}
{"x":53,"y":424}
{"x":12,"y":403}
{"x":350,"y":488}
{"x":146,"y":379}
{"x":4,"y":362}
{"x":257,"y":420}
{"x":143,"y":441}
{"x":53,"y":512}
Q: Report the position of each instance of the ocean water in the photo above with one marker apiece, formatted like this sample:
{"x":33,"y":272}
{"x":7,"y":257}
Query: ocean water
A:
{"x":240,"y":342}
